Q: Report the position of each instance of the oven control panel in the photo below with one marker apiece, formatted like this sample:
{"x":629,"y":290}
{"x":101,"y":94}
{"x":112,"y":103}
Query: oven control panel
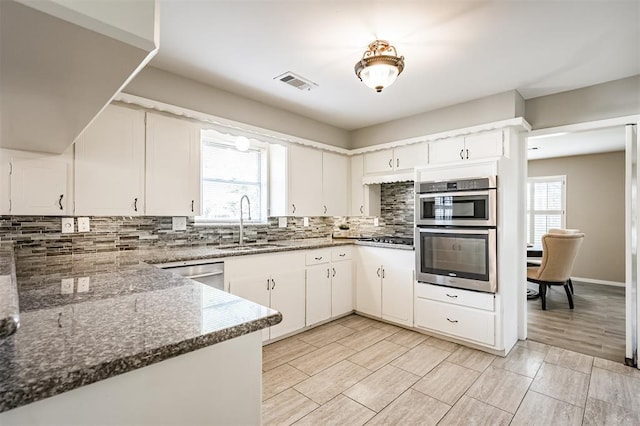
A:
{"x":457,"y":185}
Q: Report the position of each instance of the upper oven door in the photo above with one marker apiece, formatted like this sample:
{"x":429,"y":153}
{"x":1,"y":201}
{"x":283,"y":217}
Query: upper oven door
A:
{"x":463,"y":258}
{"x":472,"y":208}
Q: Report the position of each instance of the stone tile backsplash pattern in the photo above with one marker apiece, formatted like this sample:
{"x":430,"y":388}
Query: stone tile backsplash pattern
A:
{"x":41,"y":235}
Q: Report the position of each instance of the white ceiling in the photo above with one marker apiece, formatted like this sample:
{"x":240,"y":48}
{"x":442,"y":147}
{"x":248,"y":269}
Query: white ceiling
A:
{"x":454,"y":50}
{"x":576,"y":143}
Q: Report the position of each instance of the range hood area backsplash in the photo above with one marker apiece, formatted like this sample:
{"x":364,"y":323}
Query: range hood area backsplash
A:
{"x":41,"y":235}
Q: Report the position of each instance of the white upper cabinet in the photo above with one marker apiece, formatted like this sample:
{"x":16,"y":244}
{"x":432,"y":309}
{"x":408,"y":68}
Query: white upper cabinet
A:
{"x":172,"y":167}
{"x":471,"y":147}
{"x":410,"y":156}
{"x":403,"y":158}
{"x":109,"y":164}
{"x":378,"y":161}
{"x":365,"y":199}
{"x":40,"y":184}
{"x":307,"y":182}
{"x":335,"y":175}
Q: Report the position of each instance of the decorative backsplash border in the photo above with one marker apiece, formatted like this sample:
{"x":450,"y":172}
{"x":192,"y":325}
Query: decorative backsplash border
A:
{"x":42,"y":235}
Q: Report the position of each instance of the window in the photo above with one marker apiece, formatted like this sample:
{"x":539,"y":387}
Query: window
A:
{"x":545,"y":206}
{"x":227,"y":175}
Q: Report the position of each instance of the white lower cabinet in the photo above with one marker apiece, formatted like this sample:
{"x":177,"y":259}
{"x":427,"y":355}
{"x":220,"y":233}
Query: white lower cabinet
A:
{"x":276,"y":281}
{"x":341,"y":287}
{"x":384,"y":283}
{"x":329,"y":283}
{"x":318,"y":293}
{"x":459,"y":313}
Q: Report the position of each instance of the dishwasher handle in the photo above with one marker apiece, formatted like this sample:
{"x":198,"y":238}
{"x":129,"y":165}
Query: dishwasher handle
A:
{"x":209,"y":274}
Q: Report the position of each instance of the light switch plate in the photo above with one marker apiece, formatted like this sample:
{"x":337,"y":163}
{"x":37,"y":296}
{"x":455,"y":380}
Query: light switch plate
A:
{"x":305,"y":221}
{"x":179,"y":223}
{"x":282,"y":222}
{"x":83,"y":284}
{"x":67,"y":225}
{"x":376,"y":221}
{"x":84,"y":224}
{"x":66,"y":286}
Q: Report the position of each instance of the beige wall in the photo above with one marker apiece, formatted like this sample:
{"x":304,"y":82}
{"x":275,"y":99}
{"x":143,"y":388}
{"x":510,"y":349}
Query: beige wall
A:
{"x":613,"y":99}
{"x":595,"y":205}
{"x":159,"y":85}
{"x":496,"y":107}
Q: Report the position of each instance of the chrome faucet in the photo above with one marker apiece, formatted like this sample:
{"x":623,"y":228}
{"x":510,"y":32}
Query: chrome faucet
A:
{"x":241,"y":218}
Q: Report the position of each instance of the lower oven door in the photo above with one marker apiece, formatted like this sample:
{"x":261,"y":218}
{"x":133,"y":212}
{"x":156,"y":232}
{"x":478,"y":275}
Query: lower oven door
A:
{"x":456,"y":257}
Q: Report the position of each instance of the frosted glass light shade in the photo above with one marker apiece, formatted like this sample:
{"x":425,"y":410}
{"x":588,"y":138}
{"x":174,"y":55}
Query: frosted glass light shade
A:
{"x":379,"y":76}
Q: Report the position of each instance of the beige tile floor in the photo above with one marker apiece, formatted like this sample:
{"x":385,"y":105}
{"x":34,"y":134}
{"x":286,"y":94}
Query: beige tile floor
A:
{"x":356,"y":371}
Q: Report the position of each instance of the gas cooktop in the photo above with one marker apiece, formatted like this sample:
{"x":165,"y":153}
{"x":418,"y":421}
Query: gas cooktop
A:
{"x":390,"y":240}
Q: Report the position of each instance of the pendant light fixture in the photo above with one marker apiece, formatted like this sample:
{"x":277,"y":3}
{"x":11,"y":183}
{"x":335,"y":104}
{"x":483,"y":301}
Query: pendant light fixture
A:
{"x":380,"y":65}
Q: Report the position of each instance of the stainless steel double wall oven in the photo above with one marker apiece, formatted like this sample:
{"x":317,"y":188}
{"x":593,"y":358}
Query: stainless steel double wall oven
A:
{"x":455,"y":235}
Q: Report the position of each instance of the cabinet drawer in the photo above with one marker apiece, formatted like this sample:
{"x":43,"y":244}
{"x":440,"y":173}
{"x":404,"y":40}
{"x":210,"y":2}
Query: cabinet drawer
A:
{"x":340,"y":253}
{"x":316,"y":257}
{"x":466,"y":323}
{"x":472,"y":299}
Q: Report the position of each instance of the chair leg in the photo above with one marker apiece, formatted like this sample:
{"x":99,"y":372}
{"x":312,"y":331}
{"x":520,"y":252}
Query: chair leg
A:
{"x":542,"y":289}
{"x":568,"y":291}
{"x":571,"y":286}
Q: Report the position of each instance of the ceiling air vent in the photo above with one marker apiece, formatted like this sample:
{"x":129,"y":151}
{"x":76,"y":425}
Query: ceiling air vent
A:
{"x":296,"y":81}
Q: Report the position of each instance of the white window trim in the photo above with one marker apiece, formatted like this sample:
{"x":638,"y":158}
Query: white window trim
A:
{"x":213,"y":136}
{"x":563,"y":207}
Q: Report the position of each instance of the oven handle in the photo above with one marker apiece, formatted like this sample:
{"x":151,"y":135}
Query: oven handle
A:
{"x":455,"y":193}
{"x":456,"y":231}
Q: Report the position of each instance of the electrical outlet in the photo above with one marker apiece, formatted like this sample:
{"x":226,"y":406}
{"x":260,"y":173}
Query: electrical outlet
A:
{"x":305,"y":221}
{"x":66,"y":286}
{"x":179,"y":223}
{"x":376,"y":221}
{"x":83,"y":224}
{"x":83,"y":284}
{"x":67,"y":225}
{"x":282,"y":222}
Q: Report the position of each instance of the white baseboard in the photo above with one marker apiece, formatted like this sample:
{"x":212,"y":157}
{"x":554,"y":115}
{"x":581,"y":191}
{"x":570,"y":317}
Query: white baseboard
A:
{"x":603,"y":282}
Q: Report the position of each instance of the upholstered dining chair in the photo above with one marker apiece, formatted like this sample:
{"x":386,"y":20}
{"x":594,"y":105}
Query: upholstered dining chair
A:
{"x":559,"y":252}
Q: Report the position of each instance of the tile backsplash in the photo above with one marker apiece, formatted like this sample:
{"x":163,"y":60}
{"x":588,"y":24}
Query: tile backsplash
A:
{"x":41,"y":235}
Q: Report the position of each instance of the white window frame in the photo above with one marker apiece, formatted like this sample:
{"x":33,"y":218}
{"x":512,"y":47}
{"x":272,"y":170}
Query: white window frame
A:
{"x":212,"y":136}
{"x":530,"y":202}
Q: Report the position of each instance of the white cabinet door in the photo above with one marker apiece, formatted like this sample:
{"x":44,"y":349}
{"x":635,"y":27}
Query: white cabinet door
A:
{"x":334,"y":184}
{"x":446,"y":150}
{"x":305,"y":181}
{"x":483,"y":145}
{"x":288,"y":297}
{"x":341,"y":287}
{"x":397,"y":288}
{"x":410,"y":156}
{"x":255,"y":288}
{"x":318,"y":293}
{"x":357,"y":188}
{"x":378,"y":161}
{"x":172,"y":167}
{"x":41,"y":184}
{"x":109,"y":164}
{"x":369,"y":281}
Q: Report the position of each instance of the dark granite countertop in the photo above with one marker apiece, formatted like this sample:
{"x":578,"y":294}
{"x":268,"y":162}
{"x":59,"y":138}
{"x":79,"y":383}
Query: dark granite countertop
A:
{"x":88,"y":317}
{"x":85,"y":318}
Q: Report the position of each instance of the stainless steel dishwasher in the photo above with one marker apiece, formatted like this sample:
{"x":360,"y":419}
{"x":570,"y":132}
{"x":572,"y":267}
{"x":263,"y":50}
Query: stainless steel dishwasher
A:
{"x":204,"y":271}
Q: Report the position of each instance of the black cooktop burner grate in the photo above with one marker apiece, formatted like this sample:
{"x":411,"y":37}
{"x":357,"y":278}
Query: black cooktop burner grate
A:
{"x":390,"y":240}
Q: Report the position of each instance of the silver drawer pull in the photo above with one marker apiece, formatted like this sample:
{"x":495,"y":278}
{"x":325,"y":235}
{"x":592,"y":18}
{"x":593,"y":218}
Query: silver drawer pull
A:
{"x":453,"y":296}
{"x":452,"y":321}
